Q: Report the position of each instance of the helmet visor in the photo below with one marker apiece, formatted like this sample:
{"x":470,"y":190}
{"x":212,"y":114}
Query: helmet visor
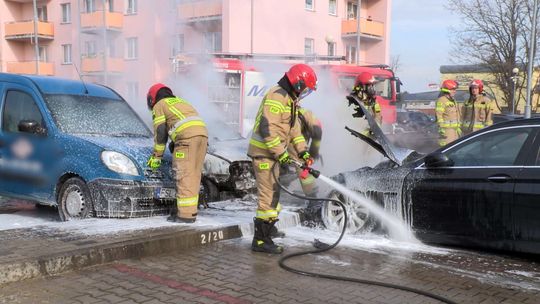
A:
{"x":305,"y":93}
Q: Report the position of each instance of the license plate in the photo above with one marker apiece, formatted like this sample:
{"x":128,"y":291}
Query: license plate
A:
{"x":165,"y":192}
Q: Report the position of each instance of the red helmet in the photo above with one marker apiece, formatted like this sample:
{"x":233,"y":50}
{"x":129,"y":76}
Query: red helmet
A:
{"x":364,"y":78}
{"x":448,"y":85}
{"x":477,"y":83}
{"x":152,"y":93}
{"x":302,"y":76}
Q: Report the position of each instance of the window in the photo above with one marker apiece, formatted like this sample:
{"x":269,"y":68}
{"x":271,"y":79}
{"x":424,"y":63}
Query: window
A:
{"x":308,"y":46}
{"x":178,"y":45}
{"x":66,"y":48}
{"x":89,"y":6}
{"x":332,"y":7}
{"x":132,"y":50}
{"x":350,"y":54}
{"x":42,"y":13}
{"x":43,"y":53}
{"x":352,"y":10}
{"x":111,"y":49}
{"x":212,"y":42}
{"x":131,"y":7}
{"x":90,"y":47}
{"x":111,"y":5}
{"x":499,"y":148}
{"x":331,"y":49}
{"x":66,"y":12}
{"x":19,"y":106}
{"x":132,"y":91}
{"x":309,"y":5}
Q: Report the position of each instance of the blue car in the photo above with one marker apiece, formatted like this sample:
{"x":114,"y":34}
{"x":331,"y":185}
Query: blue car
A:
{"x":80,"y":147}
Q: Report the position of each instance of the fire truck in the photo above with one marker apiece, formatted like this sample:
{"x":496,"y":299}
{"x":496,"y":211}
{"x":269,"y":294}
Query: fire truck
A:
{"x":237,"y":85}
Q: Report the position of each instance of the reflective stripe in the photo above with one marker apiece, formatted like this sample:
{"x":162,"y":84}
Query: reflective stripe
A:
{"x":316,"y":143}
{"x":258,"y":144}
{"x":159,"y":119}
{"x":439,"y":109}
{"x":177,"y":113}
{"x":278,"y":207}
{"x":187,"y":201}
{"x":185,"y":123}
{"x":159,"y":148}
{"x":266,"y":214}
{"x":298,"y":139}
{"x":274,"y":103}
{"x":275,"y":142}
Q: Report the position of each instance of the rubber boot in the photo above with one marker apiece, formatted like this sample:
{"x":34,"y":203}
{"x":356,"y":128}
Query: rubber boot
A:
{"x":275,"y":233}
{"x":173,"y":217}
{"x":261,"y":238}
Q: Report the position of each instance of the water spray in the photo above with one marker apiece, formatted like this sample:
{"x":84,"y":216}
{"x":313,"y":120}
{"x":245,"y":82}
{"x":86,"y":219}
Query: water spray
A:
{"x":322,"y":247}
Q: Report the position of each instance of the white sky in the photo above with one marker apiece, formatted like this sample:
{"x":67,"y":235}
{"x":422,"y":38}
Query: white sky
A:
{"x":420,"y":36}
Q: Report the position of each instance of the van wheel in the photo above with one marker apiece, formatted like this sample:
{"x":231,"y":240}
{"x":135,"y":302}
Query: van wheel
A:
{"x":74,"y":200}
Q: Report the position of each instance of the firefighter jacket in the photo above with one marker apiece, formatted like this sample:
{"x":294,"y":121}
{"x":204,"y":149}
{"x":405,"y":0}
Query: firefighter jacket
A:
{"x":176,"y":119}
{"x":311,"y":128}
{"x":477,"y":114}
{"x":448,"y":119}
{"x":276,"y":127}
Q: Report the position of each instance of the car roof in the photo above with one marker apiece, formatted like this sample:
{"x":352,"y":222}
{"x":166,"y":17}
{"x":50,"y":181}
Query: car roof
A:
{"x":57,"y":85}
{"x":517,"y":122}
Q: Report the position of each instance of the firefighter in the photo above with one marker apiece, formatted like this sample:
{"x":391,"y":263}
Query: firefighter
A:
{"x":448,"y":113}
{"x":178,"y":120}
{"x":364,"y":90}
{"x":311,"y":128}
{"x":478,"y":110}
{"x":276,"y":127}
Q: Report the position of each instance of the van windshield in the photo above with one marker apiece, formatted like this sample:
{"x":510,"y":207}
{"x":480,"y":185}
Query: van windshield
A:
{"x":82,"y":114}
{"x":383,"y":86}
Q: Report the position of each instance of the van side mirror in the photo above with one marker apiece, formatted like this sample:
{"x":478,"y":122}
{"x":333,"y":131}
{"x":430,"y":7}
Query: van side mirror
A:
{"x":438,"y":160}
{"x":32,"y":127}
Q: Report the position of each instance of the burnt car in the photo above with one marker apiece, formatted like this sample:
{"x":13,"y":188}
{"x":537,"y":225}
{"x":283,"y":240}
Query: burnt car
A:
{"x":479,"y":191}
{"x":81,"y":148}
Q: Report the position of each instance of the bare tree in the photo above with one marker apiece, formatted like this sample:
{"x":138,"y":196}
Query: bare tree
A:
{"x":395,"y":63}
{"x":495,"y":34}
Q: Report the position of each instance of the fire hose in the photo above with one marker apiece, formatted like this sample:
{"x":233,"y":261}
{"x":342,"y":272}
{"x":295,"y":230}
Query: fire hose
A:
{"x":323,"y":247}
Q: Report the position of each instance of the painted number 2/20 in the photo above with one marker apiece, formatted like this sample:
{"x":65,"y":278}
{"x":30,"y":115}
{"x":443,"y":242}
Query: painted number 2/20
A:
{"x":211,"y":236}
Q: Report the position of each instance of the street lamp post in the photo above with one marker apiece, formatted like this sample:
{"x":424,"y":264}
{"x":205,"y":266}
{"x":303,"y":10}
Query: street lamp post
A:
{"x":514,"y":78}
{"x":532,"y":50}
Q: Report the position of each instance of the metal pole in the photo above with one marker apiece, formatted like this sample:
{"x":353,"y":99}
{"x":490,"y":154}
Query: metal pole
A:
{"x":105,"y":43}
{"x":513,"y":94}
{"x":532,"y":50}
{"x":358,"y":32}
{"x":36,"y":40}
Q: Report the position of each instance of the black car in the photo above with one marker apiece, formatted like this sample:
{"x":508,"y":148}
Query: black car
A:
{"x":482,"y":190}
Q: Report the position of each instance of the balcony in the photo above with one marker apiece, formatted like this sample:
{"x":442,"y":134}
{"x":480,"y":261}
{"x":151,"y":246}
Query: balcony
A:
{"x":368,"y":28}
{"x":29,"y":67}
{"x":97,"y":20}
{"x":25,"y":29}
{"x":97,"y":65}
{"x":200,"y":10}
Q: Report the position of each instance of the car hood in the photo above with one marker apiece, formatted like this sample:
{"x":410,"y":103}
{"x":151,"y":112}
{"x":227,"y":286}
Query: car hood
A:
{"x":230,"y":149}
{"x":137,"y":148}
{"x":380,"y":142}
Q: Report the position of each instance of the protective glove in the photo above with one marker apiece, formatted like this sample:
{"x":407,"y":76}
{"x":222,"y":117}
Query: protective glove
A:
{"x":442,"y":132}
{"x":306,"y":157}
{"x":154,"y":162}
{"x":284,"y":158}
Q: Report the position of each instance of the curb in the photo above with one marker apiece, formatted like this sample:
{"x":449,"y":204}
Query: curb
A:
{"x":166,"y":242}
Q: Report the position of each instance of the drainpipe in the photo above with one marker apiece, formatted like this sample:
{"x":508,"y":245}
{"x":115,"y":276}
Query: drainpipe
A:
{"x":532,"y":50}
{"x":105,"y":44}
{"x":358,"y":32}
{"x":251,"y":31}
{"x":36,"y":40}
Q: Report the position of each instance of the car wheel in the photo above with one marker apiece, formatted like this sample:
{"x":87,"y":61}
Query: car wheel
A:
{"x":74,"y":200}
{"x":359,"y":220}
{"x":210,"y":191}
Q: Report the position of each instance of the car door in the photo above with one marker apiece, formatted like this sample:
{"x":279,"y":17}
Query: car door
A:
{"x":526,"y":209}
{"x":472,"y":200}
{"x":26,"y":161}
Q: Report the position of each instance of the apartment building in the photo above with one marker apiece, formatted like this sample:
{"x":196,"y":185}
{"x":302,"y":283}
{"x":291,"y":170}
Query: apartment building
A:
{"x":129,"y":44}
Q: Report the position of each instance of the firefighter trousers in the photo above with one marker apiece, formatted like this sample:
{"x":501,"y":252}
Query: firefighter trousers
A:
{"x":267,"y":188}
{"x":188,"y":159}
{"x":450,"y":134}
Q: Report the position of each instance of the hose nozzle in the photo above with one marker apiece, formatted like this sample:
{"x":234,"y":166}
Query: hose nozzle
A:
{"x":306,"y":170}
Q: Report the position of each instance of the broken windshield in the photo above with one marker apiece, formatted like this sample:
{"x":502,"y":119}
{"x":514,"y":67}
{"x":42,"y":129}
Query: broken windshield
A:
{"x":82,"y":114}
